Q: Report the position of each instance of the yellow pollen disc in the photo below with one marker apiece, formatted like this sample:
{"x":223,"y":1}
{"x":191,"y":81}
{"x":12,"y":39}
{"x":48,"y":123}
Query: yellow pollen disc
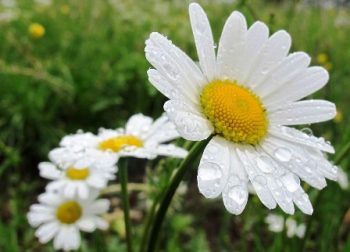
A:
{"x":118,"y":143}
{"x":68,"y":212}
{"x":77,"y":174}
{"x":235,"y":112}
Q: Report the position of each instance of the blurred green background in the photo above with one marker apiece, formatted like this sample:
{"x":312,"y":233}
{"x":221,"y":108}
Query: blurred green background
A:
{"x":82,"y":66}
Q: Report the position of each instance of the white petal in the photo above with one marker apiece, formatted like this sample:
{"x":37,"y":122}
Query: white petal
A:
{"x":235,"y":196}
{"x":281,"y":195}
{"x":60,"y":239}
{"x":175,"y":67}
{"x":296,"y":136}
{"x":47,"y":231}
{"x":204,"y":40}
{"x":56,"y":185}
{"x":96,"y":181}
{"x":291,"y":66}
{"x":162,"y":130}
{"x":308,"y":82}
{"x":303,"y":112}
{"x":99,"y":206}
{"x":138,"y":125}
{"x":296,"y":160}
{"x":70,"y":190}
{"x":35,"y":219}
{"x":49,"y":170}
{"x":83,"y":190}
{"x":87,"y":224}
{"x":257,"y":178}
{"x":72,"y":236}
{"x":273,"y":52}
{"x":343,"y":179}
{"x":171,"y":150}
{"x":50,"y":199}
{"x":214,"y":168}
{"x":231,"y":45}
{"x":189,"y":123}
{"x":301,"y":199}
{"x":257,"y":36}
{"x":101,"y":223}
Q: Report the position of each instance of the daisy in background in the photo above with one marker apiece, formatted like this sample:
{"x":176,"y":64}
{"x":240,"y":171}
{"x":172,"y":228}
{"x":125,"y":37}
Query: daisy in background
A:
{"x":61,"y":219}
{"x":141,"y":138}
{"x":76,"y":173}
{"x":246,"y":94}
{"x":276,"y":224}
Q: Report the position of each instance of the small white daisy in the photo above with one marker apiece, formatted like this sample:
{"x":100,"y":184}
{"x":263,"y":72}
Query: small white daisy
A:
{"x":141,"y":138}
{"x":276,"y":223}
{"x":247,"y":95}
{"x":76,"y":173}
{"x":61,"y":219}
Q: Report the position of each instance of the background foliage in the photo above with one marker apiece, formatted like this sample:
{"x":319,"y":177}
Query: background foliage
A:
{"x":89,"y":71}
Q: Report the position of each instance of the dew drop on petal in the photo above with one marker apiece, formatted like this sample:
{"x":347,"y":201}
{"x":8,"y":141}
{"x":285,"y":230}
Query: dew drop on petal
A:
{"x":209,"y":171}
{"x":238,"y":194}
{"x":264,"y":163}
{"x":283,"y":154}
{"x":291,"y":182}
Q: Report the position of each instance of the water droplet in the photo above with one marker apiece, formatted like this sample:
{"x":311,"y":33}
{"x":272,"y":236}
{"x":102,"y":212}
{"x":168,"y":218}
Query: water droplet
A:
{"x":264,"y":163}
{"x":283,"y":154}
{"x":209,"y":171}
{"x":238,"y":194}
{"x":291,"y":182}
{"x":307,"y":131}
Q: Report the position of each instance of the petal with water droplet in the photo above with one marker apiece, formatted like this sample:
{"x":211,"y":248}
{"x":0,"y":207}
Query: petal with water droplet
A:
{"x":190,"y":124}
{"x":303,"y":112}
{"x":235,"y":198}
{"x":214,"y":168}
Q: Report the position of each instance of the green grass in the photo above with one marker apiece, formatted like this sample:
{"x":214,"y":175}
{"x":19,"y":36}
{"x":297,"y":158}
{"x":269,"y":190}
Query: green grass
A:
{"x":89,"y":71}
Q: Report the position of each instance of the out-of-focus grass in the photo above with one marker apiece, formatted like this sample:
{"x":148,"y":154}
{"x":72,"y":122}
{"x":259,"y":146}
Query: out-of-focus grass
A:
{"x":89,"y":71}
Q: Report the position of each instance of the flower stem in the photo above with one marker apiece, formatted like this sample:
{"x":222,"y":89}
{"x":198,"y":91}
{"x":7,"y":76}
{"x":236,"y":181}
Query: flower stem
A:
{"x":123,"y":177}
{"x":170,"y":191}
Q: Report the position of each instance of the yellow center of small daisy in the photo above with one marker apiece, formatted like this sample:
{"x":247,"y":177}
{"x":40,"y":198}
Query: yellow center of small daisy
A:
{"x":118,"y":143}
{"x":68,"y":212}
{"x":235,"y":111}
{"x":77,"y":174}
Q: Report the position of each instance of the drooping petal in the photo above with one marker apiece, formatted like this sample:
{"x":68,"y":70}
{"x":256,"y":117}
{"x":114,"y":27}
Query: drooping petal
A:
{"x":47,"y":231}
{"x":303,"y":112}
{"x":189,"y":123}
{"x":298,"y":137}
{"x":214,"y":168}
{"x":204,"y":40}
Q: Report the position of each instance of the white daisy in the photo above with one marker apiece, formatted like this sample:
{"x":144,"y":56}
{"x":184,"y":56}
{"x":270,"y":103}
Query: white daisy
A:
{"x":76,"y":173}
{"x":276,"y":224}
{"x":141,"y":138}
{"x":61,"y":219}
{"x":246,"y":95}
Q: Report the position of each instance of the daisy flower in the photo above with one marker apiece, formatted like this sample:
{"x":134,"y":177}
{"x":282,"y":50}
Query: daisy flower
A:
{"x":246,"y":95}
{"x":141,"y":138}
{"x":76,"y":173}
{"x":60,"y":219}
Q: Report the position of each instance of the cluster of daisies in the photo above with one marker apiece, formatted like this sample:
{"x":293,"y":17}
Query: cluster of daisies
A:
{"x":82,"y":166}
{"x":246,"y":95}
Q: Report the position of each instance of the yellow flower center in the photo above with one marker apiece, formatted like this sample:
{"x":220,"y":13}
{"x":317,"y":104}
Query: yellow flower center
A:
{"x":235,"y":112}
{"x":118,"y":143}
{"x":68,"y":212}
{"x":77,"y":174}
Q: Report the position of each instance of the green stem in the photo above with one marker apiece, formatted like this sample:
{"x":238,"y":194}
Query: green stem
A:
{"x":170,"y":191}
{"x":123,"y":177}
{"x":337,"y":160}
